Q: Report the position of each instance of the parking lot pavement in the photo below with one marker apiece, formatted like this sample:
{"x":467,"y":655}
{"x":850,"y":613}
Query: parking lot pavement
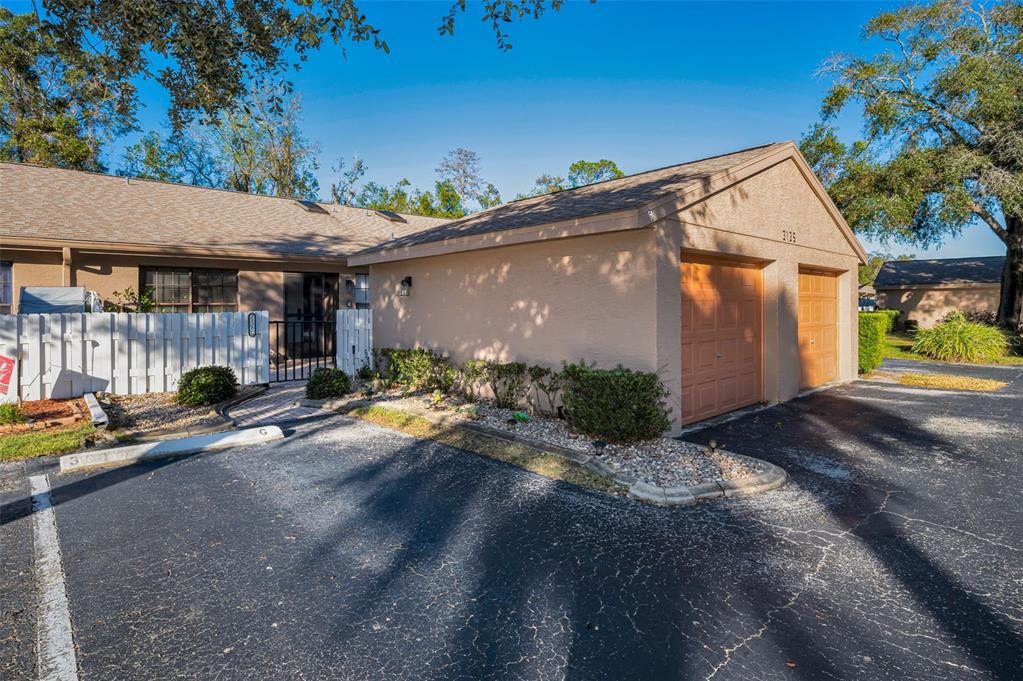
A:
{"x":348,"y":551}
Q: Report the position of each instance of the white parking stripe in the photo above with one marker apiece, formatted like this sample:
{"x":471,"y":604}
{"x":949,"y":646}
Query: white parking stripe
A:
{"x":55,"y":648}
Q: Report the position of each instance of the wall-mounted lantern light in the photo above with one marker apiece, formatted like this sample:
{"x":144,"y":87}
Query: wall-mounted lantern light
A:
{"x":349,"y":287}
{"x":405,"y":287}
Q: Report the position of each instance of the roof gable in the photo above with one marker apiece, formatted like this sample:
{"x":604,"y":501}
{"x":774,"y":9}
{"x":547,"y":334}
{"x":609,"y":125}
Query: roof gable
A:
{"x":630,"y":202}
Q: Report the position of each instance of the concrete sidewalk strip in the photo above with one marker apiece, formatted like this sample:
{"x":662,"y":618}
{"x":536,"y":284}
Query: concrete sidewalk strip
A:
{"x":155,"y":450}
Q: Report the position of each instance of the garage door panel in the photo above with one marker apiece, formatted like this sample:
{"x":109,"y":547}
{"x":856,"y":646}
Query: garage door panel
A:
{"x":722,"y":344}
{"x":818,"y":328}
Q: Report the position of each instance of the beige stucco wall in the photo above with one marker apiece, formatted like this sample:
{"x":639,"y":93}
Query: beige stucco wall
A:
{"x":926,"y":306}
{"x":568,"y":299}
{"x":774,"y":219}
{"x":615,"y":298}
{"x":260,"y":284}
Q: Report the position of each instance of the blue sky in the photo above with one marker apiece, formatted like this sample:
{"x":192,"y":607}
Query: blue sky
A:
{"x":646,"y":84}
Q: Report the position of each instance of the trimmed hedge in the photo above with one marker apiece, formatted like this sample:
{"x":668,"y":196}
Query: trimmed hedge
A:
{"x":618,"y":405}
{"x":893,"y":318}
{"x":207,"y":385}
{"x":327,"y":383}
{"x":873,"y":328}
{"x":957,"y":339}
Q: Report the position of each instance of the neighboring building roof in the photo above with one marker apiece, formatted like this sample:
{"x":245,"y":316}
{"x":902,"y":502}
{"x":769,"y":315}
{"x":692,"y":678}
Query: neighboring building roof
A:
{"x":69,"y":206}
{"x":631,"y":191}
{"x":943,"y":272}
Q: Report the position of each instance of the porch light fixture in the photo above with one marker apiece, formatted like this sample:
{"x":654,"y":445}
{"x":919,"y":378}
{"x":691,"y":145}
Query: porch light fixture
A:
{"x":405,"y":287}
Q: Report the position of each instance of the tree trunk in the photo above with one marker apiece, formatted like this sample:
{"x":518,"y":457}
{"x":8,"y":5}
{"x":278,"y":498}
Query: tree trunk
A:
{"x":1010,"y":309}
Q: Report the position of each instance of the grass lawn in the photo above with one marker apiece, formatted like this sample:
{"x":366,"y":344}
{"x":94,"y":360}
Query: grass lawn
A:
{"x":510,"y":452}
{"x":44,"y":442}
{"x":900,"y":346}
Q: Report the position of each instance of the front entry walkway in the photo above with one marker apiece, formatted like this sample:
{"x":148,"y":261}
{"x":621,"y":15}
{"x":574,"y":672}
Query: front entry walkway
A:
{"x":276,"y":405}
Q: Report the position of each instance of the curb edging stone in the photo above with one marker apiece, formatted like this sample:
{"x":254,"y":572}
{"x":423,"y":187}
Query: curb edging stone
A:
{"x":116,"y":456}
{"x":684,"y":495}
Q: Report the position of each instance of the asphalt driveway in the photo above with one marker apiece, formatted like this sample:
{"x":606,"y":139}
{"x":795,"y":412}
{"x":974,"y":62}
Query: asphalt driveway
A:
{"x":348,"y":551}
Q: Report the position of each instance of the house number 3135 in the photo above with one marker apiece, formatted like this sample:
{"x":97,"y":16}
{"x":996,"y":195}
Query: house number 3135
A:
{"x":788,"y":236}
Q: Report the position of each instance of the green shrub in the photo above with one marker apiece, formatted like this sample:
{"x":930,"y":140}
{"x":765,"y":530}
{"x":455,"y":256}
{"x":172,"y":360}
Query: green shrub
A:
{"x":11,"y":413}
{"x":327,"y":383}
{"x":873,"y":328}
{"x":893,"y":319}
{"x":367,"y":373}
{"x":506,"y":380}
{"x":618,"y":405}
{"x":474,"y":372}
{"x":419,"y":368}
{"x":207,"y":385}
{"x":545,"y":383}
{"x":958,"y":340}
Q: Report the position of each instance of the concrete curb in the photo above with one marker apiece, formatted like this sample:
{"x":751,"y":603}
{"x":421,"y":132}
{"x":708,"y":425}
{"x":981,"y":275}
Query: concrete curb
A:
{"x":224,"y":421}
{"x":99,"y":417}
{"x":684,"y":495}
{"x":117,"y":456}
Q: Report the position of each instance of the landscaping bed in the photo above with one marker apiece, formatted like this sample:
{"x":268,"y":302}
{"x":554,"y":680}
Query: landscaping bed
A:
{"x":663,"y":461}
{"x":154,"y":411}
{"x":42,"y":414}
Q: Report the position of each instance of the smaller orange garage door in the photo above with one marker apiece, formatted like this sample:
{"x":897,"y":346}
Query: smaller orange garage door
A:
{"x":721,"y":336}
{"x":818,"y":328}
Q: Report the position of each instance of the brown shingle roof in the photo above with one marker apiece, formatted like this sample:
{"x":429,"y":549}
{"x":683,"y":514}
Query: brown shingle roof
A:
{"x":69,"y":206}
{"x":943,"y":271}
{"x":631,"y":191}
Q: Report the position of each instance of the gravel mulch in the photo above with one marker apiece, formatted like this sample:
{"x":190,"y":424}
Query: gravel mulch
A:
{"x":154,"y":411}
{"x":662,"y":461}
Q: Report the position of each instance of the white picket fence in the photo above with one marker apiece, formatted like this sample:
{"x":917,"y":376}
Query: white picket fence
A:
{"x":67,"y":355}
{"x":354,"y":345}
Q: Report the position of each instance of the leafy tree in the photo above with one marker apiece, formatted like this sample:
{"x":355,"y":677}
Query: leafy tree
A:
{"x":580,"y":173}
{"x":443,"y":202}
{"x":588,"y":172}
{"x":868,"y":272}
{"x":191,"y":157}
{"x":489,"y":197}
{"x":54,"y":111}
{"x":257,"y":148}
{"x":461,"y":170}
{"x":207,"y":54}
{"x":343,"y":189}
{"x":942,"y":143}
{"x":545,"y":184}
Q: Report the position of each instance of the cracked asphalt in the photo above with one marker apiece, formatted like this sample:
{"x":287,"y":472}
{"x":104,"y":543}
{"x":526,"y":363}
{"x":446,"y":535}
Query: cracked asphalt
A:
{"x":349,"y":551}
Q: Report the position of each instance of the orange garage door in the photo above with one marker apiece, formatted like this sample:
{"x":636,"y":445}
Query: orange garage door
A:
{"x":818,"y":328}
{"x":721,"y":337}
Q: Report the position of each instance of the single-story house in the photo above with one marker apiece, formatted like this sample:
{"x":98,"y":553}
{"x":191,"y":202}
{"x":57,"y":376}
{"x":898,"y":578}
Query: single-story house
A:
{"x":927,"y":290}
{"x":197,"y":249}
{"x":734,"y":276}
